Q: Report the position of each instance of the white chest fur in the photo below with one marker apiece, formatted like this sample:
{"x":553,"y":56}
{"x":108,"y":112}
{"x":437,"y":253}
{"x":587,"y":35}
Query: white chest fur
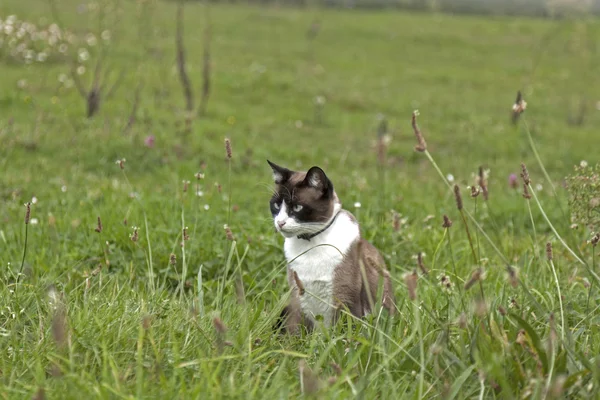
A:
{"x":315,"y":261}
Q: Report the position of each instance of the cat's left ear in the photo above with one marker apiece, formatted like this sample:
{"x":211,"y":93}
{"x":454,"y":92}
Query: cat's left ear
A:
{"x":316,"y":178}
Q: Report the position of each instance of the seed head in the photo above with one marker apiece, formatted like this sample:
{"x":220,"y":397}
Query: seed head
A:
{"x":99,"y":226}
{"x":526,"y":193}
{"x":228,"y":233}
{"x":422,"y":266}
{"x":396,"y":221}
{"x":595,"y":239}
{"x":525,"y":174}
{"x":410,"y":278}
{"x":27,"y":212}
{"x":421,"y":145}
{"x":173,"y":259}
{"x":185,"y":234}
{"x":186,"y":184}
{"x":298,"y":283}
{"x":474,"y":191}
{"x":519,"y":106}
{"x":447,"y":222}
{"x":134,"y":235}
{"x":121,"y":163}
{"x":219,"y":326}
{"x":475,"y":277}
{"x":458,"y":198}
{"x":199,"y":175}
{"x":502,"y":311}
{"x":228,"y":148}
{"x":549,"y":251}
{"x":512,"y":276}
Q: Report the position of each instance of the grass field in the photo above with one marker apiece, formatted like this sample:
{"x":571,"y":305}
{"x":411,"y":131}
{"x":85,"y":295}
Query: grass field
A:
{"x":113,"y":314}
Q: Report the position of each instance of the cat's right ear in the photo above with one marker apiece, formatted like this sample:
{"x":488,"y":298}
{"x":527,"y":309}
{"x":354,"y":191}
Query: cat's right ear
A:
{"x":280,"y":174}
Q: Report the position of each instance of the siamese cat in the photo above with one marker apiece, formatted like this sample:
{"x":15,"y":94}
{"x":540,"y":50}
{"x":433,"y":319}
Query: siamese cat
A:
{"x":330,"y":266}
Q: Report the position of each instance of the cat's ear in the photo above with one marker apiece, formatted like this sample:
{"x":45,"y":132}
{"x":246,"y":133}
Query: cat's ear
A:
{"x":316,"y":178}
{"x":280,"y":174}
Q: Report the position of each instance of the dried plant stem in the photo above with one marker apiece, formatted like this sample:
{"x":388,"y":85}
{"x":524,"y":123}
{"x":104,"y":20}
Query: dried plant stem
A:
{"x":565,"y":245}
{"x":183,"y":261}
{"x":200,"y":292}
{"x":538,"y":158}
{"x":183,"y":76}
{"x":23,"y":259}
{"x":562,"y":315}
{"x":466,"y":225}
{"x":535,"y":251}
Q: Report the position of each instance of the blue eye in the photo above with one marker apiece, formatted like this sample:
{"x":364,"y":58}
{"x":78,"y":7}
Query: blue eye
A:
{"x":276,"y":206}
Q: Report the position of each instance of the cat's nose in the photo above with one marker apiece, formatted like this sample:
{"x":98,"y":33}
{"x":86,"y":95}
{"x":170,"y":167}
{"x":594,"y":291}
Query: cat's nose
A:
{"x":281,"y":223}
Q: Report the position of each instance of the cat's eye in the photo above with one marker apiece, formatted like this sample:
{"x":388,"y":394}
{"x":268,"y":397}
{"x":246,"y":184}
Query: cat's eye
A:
{"x":276,"y":206}
{"x":297,"y":208}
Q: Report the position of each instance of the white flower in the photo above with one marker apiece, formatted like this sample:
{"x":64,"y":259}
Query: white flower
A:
{"x":357,"y":204}
{"x":62,"y":78}
{"x":199,"y":193}
{"x":83,"y":54}
{"x":80,"y":70}
{"x":22,"y":83}
{"x":320,"y":100}
{"x":583,"y":164}
{"x":105,"y":35}
{"x":450,"y":178}
{"x":34,"y":200}
{"x":299,"y":124}
{"x":63,"y":188}
{"x":206,"y":207}
{"x":33,"y":221}
{"x":539,"y":187}
{"x":91,"y":39}
{"x":41,"y":57}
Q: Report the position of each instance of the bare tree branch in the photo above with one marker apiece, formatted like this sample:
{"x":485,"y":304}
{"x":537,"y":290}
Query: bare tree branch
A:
{"x":183,"y":76}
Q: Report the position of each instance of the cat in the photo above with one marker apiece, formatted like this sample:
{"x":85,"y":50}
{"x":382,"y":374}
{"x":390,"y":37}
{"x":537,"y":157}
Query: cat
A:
{"x":325,"y":252}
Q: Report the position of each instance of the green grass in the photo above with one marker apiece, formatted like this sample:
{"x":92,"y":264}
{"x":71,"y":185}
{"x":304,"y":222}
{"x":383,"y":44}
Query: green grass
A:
{"x":116,"y":323}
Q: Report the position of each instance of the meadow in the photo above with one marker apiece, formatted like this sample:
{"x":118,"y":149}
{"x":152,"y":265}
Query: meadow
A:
{"x":146,"y":264}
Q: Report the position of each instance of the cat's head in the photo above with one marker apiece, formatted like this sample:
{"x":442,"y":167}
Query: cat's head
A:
{"x":303,"y":203}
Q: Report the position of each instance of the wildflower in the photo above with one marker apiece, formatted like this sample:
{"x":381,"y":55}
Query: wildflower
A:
{"x":80,"y":70}
{"x":450,"y":178}
{"x":474,"y":191}
{"x":512,"y":181}
{"x":421,"y":145}
{"x":185,"y":234}
{"x":396,"y":221}
{"x":357,"y":204}
{"x":199,"y":175}
{"x":63,"y":188}
{"x":185,"y":185}
{"x":520,"y":104}
{"x":149,"y":141}
{"x":173,"y":259}
{"x":206,"y":207}
{"x":105,"y":35}
{"x":34,"y":221}
{"x":595,"y":239}
{"x":583,"y":164}
{"x":445,"y":283}
{"x":34,"y":200}
{"x":134,"y":236}
{"x":199,"y":193}
{"x":121,"y":163}
{"x":512,"y":303}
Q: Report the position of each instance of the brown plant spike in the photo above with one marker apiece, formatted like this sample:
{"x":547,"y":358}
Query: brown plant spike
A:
{"x":525,"y":174}
{"x":27,"y":213}
{"x":447,"y":222}
{"x":299,"y":283}
{"x":411,"y":284}
{"x":475,"y":277}
{"x":458,"y":198}
{"x":99,"y":226}
{"x":228,"y":151}
{"x":422,"y":266}
{"x":549,"y":255}
{"x":526,"y":193}
{"x":421,"y":144}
